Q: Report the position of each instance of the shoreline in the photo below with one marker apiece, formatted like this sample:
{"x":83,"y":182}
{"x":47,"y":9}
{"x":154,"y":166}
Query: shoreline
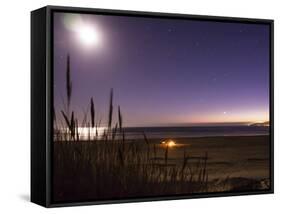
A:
{"x":177,"y":138}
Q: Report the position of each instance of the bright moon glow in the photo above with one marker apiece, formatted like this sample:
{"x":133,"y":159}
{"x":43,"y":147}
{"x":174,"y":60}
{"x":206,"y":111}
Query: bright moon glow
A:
{"x":88,"y":35}
{"x":87,"y":32}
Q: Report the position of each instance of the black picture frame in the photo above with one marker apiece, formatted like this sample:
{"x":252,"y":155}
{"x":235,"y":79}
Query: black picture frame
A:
{"x":42,"y":98}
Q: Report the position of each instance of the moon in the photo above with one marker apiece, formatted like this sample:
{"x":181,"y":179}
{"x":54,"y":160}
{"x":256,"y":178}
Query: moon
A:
{"x":86,"y":31}
{"x":88,"y":35}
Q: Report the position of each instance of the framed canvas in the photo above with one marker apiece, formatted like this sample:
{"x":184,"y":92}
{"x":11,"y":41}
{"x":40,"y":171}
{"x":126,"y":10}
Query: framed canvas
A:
{"x":139,"y":106}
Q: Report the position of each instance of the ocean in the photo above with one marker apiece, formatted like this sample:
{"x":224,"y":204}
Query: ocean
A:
{"x":195,"y":131}
{"x":176,"y":132}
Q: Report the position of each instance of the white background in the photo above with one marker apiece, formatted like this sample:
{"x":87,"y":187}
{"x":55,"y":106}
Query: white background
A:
{"x":15,"y":105}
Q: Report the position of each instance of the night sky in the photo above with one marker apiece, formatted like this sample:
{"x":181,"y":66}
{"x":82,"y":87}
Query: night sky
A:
{"x":165,"y":71}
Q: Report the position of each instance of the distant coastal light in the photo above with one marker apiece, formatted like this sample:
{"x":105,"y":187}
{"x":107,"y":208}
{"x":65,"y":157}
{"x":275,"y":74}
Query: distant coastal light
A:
{"x":260,"y":123}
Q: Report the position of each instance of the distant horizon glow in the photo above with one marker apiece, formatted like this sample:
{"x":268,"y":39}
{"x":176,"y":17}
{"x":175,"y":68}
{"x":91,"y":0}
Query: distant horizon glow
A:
{"x":163,"y":71}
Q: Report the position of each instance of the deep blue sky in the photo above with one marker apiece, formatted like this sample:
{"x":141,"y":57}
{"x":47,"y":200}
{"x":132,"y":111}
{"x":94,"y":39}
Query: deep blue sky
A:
{"x":166,"y":71}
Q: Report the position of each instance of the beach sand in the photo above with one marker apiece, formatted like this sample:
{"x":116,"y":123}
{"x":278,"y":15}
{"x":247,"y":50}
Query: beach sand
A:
{"x":234,"y":164}
{"x":232,"y":156}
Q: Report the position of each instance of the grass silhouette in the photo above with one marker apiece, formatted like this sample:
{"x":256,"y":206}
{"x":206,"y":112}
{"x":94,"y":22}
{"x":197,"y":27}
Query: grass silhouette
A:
{"x":109,"y":166}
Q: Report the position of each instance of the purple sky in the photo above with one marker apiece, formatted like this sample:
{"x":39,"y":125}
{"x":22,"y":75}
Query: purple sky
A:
{"x":166,"y":71}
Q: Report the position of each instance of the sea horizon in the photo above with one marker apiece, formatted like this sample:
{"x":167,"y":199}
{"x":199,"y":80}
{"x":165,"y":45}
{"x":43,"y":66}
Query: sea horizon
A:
{"x":173,"y":132}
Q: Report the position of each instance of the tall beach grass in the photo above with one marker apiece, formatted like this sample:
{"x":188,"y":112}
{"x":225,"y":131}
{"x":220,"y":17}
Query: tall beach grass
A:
{"x":109,"y":166}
